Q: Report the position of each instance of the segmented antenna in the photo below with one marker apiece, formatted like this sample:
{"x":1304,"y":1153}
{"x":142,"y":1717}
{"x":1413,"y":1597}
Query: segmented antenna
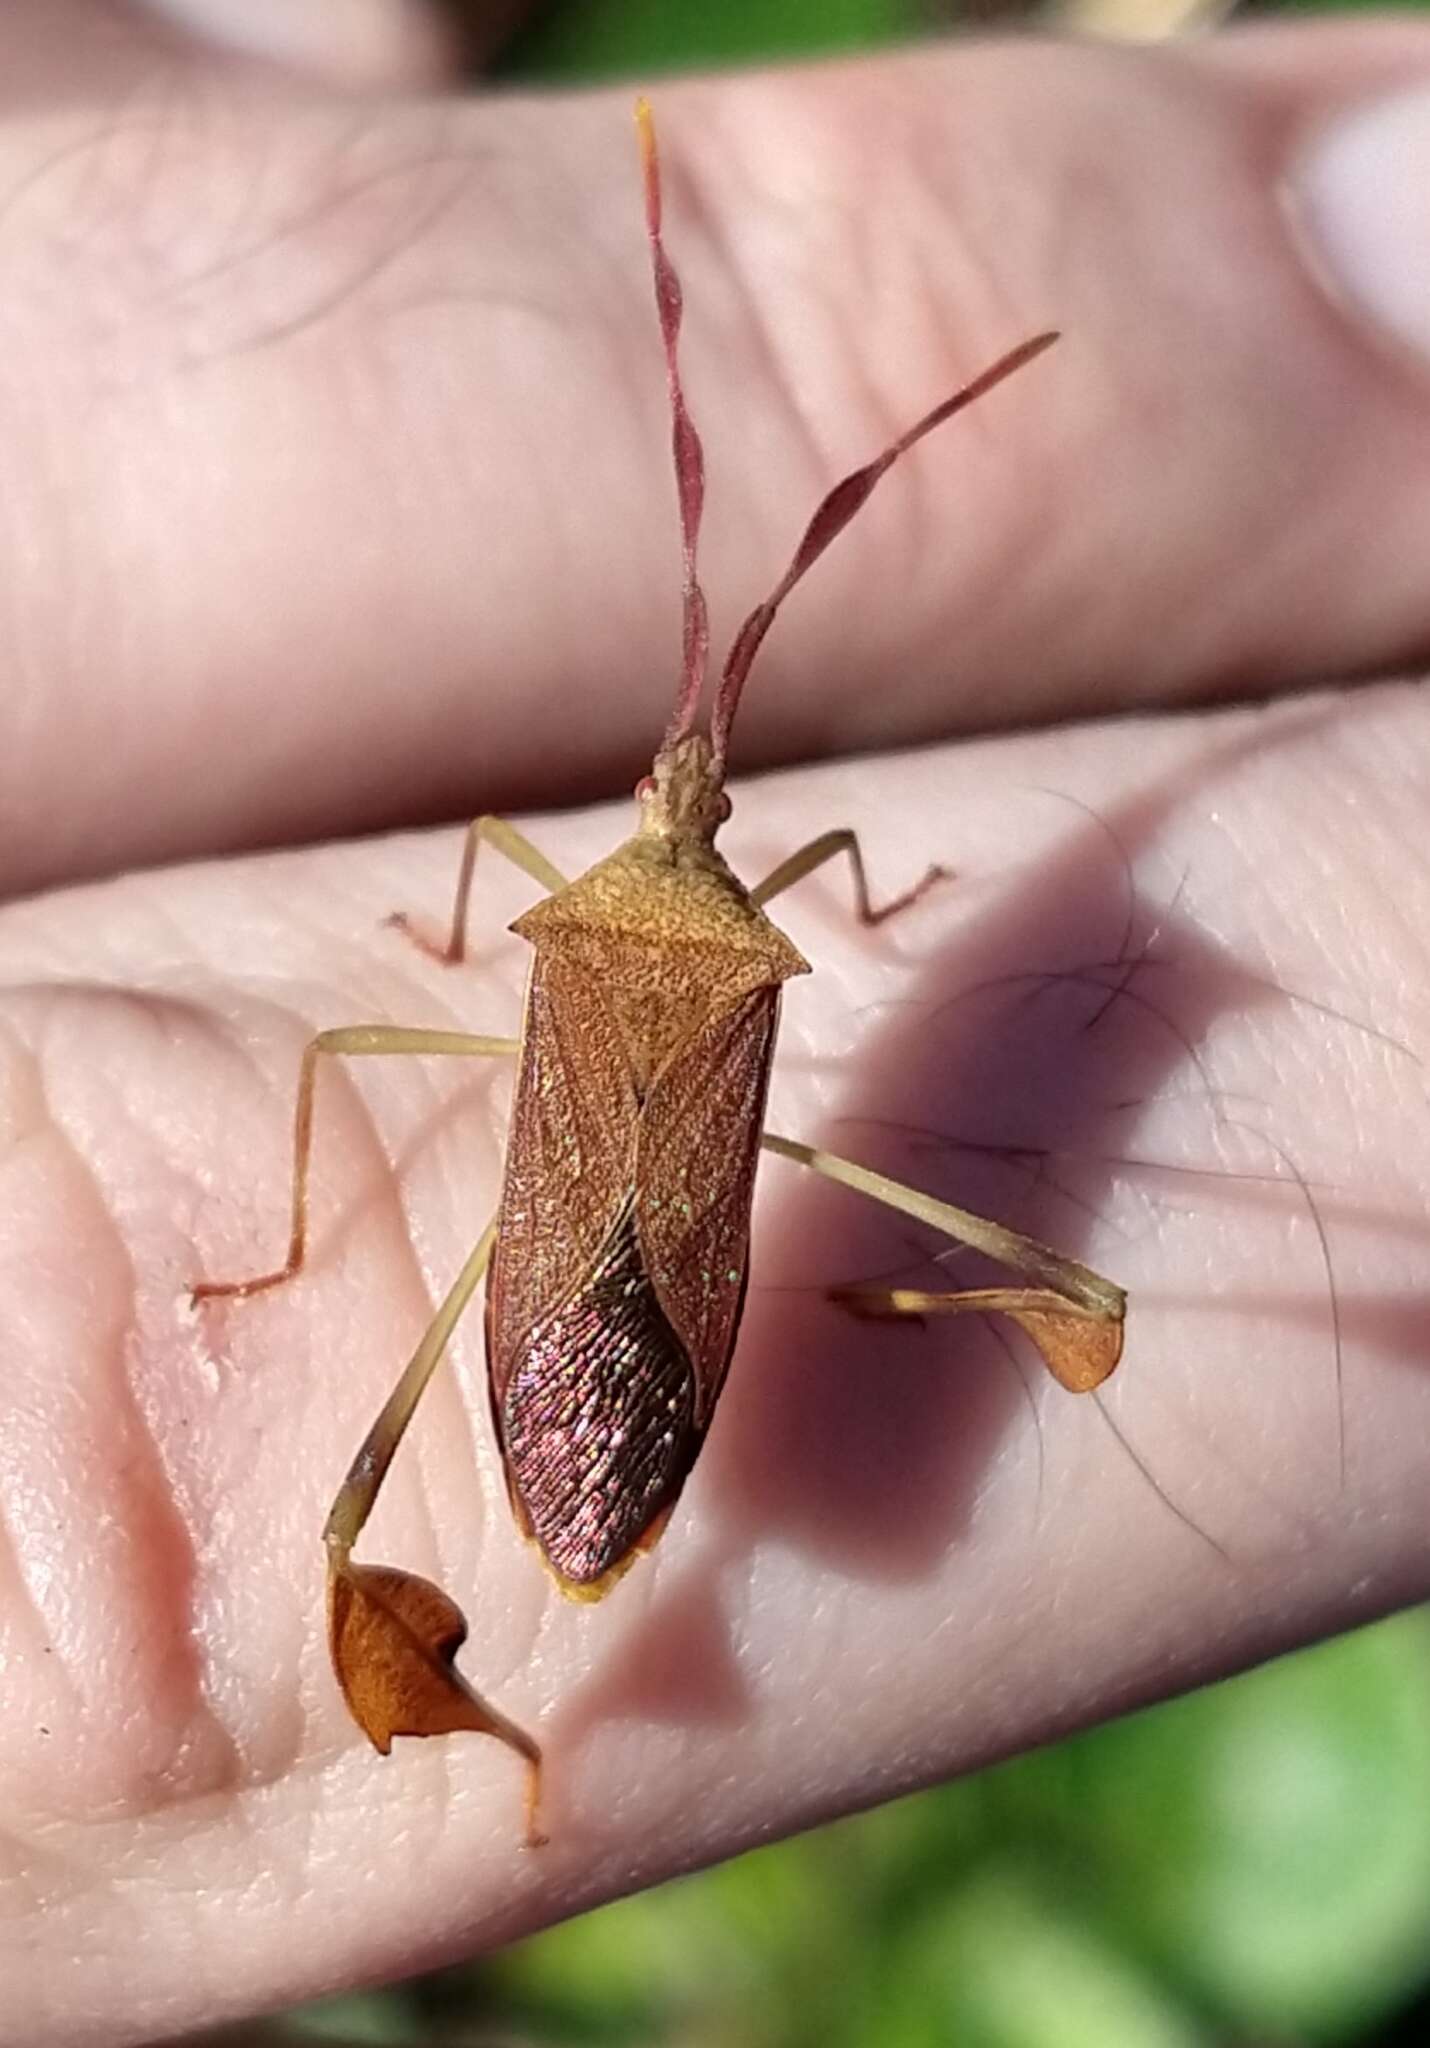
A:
{"x":685,"y":442}
{"x":833,"y":515}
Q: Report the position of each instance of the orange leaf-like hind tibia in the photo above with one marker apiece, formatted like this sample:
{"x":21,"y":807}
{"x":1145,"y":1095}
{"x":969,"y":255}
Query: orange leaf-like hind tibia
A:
{"x":1079,"y":1350}
{"x":1079,"y":1346}
{"x":393,"y":1637}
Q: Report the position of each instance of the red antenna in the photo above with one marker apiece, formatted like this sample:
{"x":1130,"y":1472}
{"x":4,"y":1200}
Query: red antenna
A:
{"x":689,"y":455}
{"x":834,"y":514}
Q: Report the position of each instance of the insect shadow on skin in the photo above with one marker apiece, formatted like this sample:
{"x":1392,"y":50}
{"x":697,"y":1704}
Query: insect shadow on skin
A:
{"x":618,"y":1258}
{"x":1047,"y":1031}
{"x":865,"y":1453}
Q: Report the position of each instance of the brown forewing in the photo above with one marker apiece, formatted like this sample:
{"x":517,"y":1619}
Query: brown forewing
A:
{"x":606,"y":1361}
{"x":570,"y":1153}
{"x":622,"y":1243}
{"x":697,"y":1145}
{"x":649,"y":968}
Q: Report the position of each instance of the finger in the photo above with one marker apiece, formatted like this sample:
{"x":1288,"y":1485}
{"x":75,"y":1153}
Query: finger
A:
{"x":341,"y":493}
{"x":1128,"y":1029}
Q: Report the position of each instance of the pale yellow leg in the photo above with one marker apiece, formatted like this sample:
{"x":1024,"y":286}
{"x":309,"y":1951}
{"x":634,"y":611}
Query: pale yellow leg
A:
{"x":358,"y":1492}
{"x":502,"y":838}
{"x":393,"y":1636}
{"x":350,"y":1041}
{"x":827,"y":847}
{"x":1072,"y":1314}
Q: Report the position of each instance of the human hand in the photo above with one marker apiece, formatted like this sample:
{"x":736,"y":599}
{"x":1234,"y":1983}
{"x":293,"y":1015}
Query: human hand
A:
{"x":323,"y":515}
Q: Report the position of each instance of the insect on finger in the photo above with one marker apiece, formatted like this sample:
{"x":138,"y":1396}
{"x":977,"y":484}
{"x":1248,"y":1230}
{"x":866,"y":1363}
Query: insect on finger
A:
{"x":616,"y":1266}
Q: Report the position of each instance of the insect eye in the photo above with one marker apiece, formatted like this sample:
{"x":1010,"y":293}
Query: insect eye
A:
{"x":645,"y":789}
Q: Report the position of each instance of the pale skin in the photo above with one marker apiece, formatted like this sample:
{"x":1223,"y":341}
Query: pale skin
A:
{"x":882,"y":1570}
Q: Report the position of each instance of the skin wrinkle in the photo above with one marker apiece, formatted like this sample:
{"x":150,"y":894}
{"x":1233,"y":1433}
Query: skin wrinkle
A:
{"x":1225,"y":128}
{"x":293,"y":240}
{"x":394,"y":246}
{"x":601,"y":332}
{"x":884,"y":410}
{"x":105,"y":186}
{"x":547,"y":468}
{"x":140,"y":1505}
{"x":132,"y":191}
{"x":958,"y":174}
{"x":32,"y":1129}
{"x":174,"y":941}
{"x":323,"y":191}
{"x":76,"y":149}
{"x":89,"y":146}
{"x":277,"y":1766}
{"x":192,"y":1755}
{"x":255,"y":207}
{"x":348,"y":292}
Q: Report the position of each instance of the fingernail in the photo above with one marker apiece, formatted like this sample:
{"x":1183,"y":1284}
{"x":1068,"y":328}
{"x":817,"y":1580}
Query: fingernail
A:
{"x":362,"y":42}
{"x":1363,"y":195}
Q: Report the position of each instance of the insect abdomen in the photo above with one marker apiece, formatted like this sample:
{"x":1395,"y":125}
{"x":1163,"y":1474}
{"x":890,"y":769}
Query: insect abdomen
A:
{"x":598,"y":1415}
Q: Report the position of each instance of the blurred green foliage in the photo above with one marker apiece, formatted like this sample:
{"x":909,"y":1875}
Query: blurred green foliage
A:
{"x":622,"y":38}
{"x":1247,"y":1866}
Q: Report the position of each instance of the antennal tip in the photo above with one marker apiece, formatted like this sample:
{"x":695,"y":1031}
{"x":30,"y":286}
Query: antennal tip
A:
{"x":645,"y":129}
{"x":645,"y":136}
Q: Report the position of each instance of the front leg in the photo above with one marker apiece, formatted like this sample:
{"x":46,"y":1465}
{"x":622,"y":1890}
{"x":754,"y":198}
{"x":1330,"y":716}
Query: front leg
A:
{"x":504,"y":839}
{"x":351,"y":1041}
{"x":1072,"y":1314}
